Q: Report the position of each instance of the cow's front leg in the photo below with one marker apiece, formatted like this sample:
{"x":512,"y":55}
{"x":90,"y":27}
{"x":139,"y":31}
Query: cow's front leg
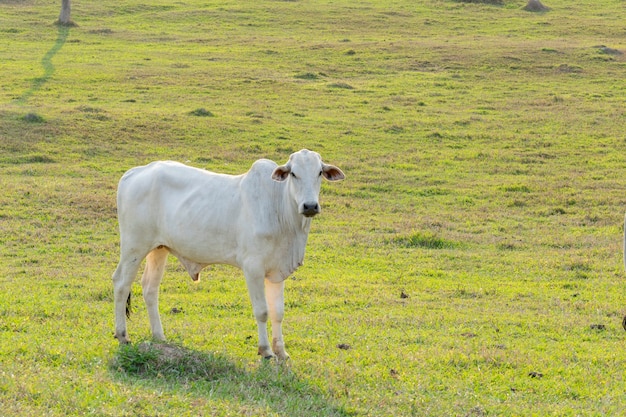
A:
{"x":255,"y":280}
{"x":274,"y":292}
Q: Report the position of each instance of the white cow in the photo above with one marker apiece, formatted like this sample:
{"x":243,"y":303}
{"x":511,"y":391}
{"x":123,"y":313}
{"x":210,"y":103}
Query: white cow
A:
{"x":258,"y":221}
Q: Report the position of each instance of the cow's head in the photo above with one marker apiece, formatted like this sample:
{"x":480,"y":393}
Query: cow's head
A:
{"x":303,"y":174}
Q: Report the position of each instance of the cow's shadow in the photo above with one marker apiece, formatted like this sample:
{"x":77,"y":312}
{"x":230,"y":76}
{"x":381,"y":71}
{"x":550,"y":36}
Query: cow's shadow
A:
{"x":175,"y":368}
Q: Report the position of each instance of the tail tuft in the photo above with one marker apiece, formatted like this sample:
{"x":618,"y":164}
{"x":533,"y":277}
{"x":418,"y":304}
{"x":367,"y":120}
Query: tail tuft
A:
{"x":128,"y":306}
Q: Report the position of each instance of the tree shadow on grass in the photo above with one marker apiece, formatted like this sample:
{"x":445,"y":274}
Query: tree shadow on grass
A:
{"x":46,"y":62}
{"x":178,"y":369}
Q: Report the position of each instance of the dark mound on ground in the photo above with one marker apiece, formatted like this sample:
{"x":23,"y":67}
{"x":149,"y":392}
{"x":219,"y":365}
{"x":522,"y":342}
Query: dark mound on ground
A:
{"x":535,"y":6}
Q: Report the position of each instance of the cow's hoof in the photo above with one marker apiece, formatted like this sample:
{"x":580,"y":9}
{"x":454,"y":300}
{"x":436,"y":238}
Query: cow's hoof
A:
{"x":278,"y":347}
{"x":265,"y":352}
{"x":122,"y":339}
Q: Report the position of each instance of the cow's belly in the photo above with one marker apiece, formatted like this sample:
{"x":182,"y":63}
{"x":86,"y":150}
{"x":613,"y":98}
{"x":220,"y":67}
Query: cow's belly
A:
{"x":202,"y":249}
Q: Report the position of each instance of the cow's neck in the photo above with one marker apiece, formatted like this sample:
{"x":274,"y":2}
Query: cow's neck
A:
{"x":296,"y":225}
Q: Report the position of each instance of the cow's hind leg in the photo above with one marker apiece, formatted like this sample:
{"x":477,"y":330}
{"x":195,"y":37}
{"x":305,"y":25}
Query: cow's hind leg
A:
{"x":274,"y":292}
{"x":123,"y":278}
{"x":150,"y":282}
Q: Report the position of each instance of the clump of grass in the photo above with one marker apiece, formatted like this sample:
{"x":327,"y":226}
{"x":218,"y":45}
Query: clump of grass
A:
{"x":432,"y":191}
{"x":609,"y":51}
{"x":89,"y":109}
{"x":201,"y":112}
{"x":566,"y":68}
{"x":343,"y":85}
{"x":27,"y":159}
{"x":70,"y":24}
{"x":516,"y":188}
{"x":169,"y":361}
{"x":395,"y":129}
{"x":508,"y":246}
{"x":38,"y":159}
{"x":137,"y":360}
{"x":307,"y":76}
{"x":33,"y":118}
{"x":428,"y":240}
{"x":492,"y":2}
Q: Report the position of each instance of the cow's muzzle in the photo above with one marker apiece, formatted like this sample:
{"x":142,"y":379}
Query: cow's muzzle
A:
{"x":310,"y":209}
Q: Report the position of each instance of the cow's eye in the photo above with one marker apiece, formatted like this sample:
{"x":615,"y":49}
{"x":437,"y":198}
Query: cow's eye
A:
{"x":293,"y":175}
{"x":320,"y":174}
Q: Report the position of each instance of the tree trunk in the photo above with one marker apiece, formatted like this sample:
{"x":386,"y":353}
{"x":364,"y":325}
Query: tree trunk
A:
{"x":64,"y":17}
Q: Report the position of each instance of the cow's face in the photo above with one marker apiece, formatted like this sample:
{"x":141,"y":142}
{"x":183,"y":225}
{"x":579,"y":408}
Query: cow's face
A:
{"x":303,"y":174}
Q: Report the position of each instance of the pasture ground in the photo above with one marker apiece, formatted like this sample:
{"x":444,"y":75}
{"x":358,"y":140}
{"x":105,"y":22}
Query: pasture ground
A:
{"x":469,"y":265}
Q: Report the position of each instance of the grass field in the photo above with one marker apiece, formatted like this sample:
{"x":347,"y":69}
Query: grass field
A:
{"x":469,"y":265}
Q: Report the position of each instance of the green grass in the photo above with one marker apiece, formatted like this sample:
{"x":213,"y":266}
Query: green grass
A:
{"x":422,"y":240}
{"x":469,"y":265}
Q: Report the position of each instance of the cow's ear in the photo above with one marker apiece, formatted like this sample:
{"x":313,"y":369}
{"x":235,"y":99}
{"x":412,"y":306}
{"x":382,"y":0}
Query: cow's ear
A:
{"x":332,"y":173}
{"x":281,"y":173}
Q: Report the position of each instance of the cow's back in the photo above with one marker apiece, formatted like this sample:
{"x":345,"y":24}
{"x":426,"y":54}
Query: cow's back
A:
{"x":150,"y":187}
{"x":189,"y":210}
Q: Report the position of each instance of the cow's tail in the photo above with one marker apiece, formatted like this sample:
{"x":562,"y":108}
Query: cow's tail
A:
{"x":128,"y":306}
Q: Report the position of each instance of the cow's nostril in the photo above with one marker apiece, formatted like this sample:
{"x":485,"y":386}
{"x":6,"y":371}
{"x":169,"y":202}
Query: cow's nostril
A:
{"x":311,"y":206}
{"x":310,"y":209}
